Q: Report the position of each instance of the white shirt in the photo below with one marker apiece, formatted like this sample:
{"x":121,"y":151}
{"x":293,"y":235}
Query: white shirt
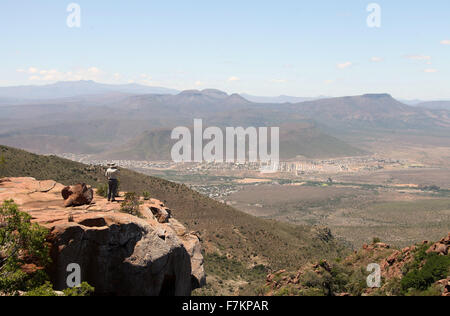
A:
{"x":112,"y":173}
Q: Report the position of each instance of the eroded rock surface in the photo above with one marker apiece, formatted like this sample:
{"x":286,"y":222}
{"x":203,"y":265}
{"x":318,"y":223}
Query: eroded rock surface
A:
{"x":118,"y":254}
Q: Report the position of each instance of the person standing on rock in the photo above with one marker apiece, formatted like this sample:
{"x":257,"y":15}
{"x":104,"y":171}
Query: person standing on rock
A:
{"x":111,"y":175}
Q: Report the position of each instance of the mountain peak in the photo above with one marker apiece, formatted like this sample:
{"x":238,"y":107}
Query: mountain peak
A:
{"x":190,"y":92}
{"x":212,"y":93}
{"x":377,"y":96}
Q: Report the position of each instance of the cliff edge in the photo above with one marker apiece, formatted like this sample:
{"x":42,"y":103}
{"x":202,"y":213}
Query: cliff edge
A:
{"x":118,"y":254}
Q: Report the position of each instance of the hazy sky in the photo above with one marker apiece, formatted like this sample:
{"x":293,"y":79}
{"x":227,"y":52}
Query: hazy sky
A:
{"x":301,"y":48}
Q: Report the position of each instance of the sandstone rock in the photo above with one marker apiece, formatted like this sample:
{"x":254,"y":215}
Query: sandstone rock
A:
{"x":77,"y":195}
{"x":46,"y":186}
{"x":382,"y":245}
{"x":121,"y":255}
{"x":193,"y":247}
{"x":118,"y":254}
{"x":161,"y":213}
{"x":445,"y":285}
{"x":446,"y":240}
{"x":392,"y":266}
{"x":392,"y":258}
{"x":441,"y":247}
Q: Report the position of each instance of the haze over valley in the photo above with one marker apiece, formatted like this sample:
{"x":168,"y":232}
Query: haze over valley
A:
{"x":353,"y":156}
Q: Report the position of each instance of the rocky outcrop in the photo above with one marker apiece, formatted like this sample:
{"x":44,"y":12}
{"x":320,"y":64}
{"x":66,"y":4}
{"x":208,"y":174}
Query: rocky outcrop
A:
{"x":445,"y":286}
{"x":77,"y":195}
{"x":161,"y":213}
{"x":325,"y":278}
{"x":441,"y":247}
{"x":117,"y":253}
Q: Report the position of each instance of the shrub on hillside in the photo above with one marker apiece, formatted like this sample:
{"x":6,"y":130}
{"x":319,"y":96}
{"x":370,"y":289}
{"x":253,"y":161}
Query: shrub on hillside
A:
{"x":146,"y":195}
{"x":2,"y":160}
{"x":44,"y":290}
{"x":83,"y":290}
{"x":21,"y":242}
{"x":376,"y":240}
{"x":47,"y":290}
{"x":435,"y":268}
{"x":131,"y":204}
{"x":102,"y":190}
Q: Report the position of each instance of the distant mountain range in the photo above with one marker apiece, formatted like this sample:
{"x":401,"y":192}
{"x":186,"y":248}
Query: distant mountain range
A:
{"x":135,"y":125}
{"x":372,"y":111}
{"x":438,"y":105}
{"x":67,"y":89}
{"x":278,"y":99}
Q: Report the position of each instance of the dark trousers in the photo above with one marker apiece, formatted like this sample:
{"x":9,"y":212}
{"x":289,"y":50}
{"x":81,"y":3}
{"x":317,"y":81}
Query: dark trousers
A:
{"x":112,"y":189}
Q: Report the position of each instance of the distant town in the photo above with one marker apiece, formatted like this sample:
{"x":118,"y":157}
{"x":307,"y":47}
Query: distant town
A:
{"x":224,"y":179}
{"x":299,"y":167}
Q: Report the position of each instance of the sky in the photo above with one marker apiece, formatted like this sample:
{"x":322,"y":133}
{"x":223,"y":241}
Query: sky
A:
{"x":259,"y":47}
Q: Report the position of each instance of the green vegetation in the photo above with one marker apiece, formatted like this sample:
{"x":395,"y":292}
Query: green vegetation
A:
{"x":376,"y":240}
{"x":84,"y":289}
{"x":21,"y":243}
{"x":131,"y":204}
{"x":47,"y":290}
{"x":24,"y":256}
{"x":424,"y":271}
{"x":226,"y":268}
{"x":2,"y":161}
{"x":102,"y":190}
{"x":146,"y":195}
{"x":44,"y":290}
{"x":248,"y":277}
{"x":417,"y":277}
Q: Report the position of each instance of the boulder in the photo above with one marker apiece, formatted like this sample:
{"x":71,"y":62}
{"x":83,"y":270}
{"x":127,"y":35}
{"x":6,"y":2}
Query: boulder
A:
{"x":77,"y":195}
{"x":441,"y":247}
{"x":161,"y":213}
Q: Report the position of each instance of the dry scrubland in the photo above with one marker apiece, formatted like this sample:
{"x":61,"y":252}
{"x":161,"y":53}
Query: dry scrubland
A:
{"x":388,"y":204}
{"x":357,"y":213}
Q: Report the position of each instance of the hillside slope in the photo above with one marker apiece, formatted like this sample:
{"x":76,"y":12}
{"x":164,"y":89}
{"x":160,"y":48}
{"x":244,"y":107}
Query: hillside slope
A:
{"x":420,"y":270}
{"x":237,"y":246}
{"x":296,"y":139}
{"x":372,"y":111}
